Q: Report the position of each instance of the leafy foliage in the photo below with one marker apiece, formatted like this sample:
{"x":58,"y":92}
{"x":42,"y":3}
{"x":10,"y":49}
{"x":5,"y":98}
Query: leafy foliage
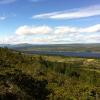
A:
{"x":35,"y":77}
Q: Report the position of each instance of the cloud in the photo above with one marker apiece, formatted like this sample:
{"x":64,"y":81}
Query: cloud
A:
{"x":67,"y":29}
{"x":58,"y":34}
{"x":13,"y":39}
{"x":52,"y":39}
{"x":35,"y":0}
{"x":6,"y":1}
{"x":2,"y":17}
{"x":71,"y":14}
{"x":7,"y":16}
{"x":91,"y":29}
{"x":35,"y":30}
{"x":31,"y":30}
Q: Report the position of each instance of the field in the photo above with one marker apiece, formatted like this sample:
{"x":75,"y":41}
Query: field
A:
{"x":41,"y":77}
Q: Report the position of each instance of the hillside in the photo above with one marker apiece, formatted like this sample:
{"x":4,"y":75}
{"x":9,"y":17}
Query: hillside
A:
{"x":35,"y":77}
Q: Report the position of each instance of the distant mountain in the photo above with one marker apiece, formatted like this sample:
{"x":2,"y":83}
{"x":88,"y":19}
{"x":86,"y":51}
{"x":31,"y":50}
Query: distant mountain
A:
{"x":93,"y":47}
{"x":15,"y":45}
{"x":5,"y":45}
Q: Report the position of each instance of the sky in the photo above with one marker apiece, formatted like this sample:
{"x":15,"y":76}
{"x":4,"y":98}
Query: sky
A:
{"x":49,"y":21}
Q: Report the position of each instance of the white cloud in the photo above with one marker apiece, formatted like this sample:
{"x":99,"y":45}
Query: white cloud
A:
{"x":39,"y":30}
{"x":7,"y":16}
{"x":91,"y":29}
{"x":67,"y":29}
{"x":30,"y":30}
{"x":43,"y":40}
{"x":35,"y":0}
{"x":72,"y":14}
{"x":57,"y":34}
{"x":2,"y":17}
{"x":78,"y":38}
{"x":6,"y":1}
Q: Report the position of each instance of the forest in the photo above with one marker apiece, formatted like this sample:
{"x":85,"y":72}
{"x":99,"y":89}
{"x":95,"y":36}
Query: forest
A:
{"x":42,"y":77}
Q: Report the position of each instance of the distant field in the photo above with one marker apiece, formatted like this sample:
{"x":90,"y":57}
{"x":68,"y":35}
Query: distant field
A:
{"x":60,"y":47}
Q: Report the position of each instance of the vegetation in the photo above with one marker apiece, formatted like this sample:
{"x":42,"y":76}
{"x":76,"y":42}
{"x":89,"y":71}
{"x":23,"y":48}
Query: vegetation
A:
{"x":35,"y":77}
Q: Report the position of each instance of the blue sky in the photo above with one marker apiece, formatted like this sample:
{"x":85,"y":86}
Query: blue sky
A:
{"x":49,"y":21}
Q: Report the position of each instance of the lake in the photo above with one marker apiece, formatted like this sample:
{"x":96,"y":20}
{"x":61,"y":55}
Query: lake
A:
{"x":63,"y":53}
